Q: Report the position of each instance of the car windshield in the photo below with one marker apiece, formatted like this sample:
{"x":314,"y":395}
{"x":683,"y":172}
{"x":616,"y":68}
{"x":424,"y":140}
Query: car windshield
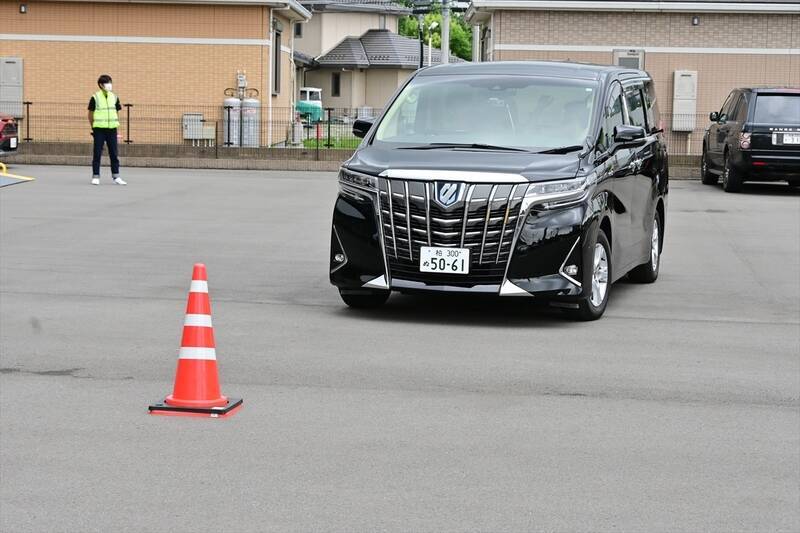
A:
{"x":511,"y":111}
{"x":777,"y":109}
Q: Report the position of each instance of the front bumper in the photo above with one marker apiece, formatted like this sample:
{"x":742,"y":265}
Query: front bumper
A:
{"x":545,"y":256}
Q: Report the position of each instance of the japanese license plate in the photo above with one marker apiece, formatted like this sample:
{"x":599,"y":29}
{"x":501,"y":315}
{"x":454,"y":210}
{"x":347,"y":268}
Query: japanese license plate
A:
{"x":791,"y":138}
{"x":13,"y":142}
{"x":444,"y":260}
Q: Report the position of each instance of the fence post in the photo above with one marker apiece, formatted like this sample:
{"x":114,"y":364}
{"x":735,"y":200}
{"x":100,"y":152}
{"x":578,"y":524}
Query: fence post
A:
{"x":128,"y":123}
{"x":328,"y":143}
{"x":27,"y":121}
{"x":317,"y":136}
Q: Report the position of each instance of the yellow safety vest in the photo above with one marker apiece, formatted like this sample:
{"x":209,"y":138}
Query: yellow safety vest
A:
{"x":105,"y":110}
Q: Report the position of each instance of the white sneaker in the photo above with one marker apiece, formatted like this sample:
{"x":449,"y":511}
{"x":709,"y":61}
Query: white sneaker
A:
{"x":120,"y":181}
{"x":95,"y":181}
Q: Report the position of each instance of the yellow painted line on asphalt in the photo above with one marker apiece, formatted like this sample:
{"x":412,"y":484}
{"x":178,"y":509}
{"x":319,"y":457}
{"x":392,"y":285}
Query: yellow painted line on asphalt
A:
{"x":5,"y":176}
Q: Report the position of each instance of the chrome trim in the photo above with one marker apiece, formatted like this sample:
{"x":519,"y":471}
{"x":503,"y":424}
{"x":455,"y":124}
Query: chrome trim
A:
{"x":391,"y":214}
{"x":354,"y":192}
{"x":505,"y":221}
{"x":381,"y":235}
{"x":521,"y":215}
{"x":563,"y":264}
{"x":336,"y":234}
{"x":418,"y":285}
{"x":508,"y":288}
{"x":377,"y":283}
{"x":467,"y":201}
{"x":428,"y":211}
{"x":453,"y":175}
{"x":489,"y":203}
{"x":408,"y":223}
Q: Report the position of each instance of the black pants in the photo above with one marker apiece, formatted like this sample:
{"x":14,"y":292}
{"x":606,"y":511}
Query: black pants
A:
{"x":105,"y":136}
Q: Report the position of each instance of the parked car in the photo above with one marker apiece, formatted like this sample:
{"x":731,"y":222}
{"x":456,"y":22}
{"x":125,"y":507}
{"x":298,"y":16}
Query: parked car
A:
{"x":536,"y":179}
{"x":755,"y":136}
{"x":8,"y":134}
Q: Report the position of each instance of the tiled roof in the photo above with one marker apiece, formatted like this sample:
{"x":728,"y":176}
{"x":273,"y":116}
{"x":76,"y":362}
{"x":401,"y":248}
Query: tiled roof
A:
{"x":379,"y":48}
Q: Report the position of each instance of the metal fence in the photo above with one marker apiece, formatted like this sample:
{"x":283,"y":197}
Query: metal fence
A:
{"x":276,"y":128}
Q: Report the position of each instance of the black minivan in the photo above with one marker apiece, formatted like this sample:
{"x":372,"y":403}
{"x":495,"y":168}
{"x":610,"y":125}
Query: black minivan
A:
{"x":534,"y":179}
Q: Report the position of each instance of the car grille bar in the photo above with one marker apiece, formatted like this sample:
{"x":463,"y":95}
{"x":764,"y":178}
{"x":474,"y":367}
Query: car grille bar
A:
{"x":483,"y":219}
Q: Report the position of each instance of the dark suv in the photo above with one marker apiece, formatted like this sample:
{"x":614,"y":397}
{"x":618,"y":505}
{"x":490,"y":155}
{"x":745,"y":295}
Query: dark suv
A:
{"x":525,"y":179}
{"x":754,"y":137}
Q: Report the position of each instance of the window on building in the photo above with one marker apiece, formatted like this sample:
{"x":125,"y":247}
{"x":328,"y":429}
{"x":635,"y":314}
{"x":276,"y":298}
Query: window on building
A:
{"x":382,"y":22}
{"x":336,"y":84}
{"x":613,"y":116}
{"x":276,"y":62}
{"x":298,"y":30}
{"x":636,"y":109}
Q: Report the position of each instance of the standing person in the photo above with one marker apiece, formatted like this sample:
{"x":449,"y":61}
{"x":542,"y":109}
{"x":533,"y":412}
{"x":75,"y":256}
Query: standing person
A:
{"x":104,"y":110}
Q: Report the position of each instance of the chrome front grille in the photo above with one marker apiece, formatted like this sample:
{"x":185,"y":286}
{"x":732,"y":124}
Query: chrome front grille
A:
{"x":483,"y":220}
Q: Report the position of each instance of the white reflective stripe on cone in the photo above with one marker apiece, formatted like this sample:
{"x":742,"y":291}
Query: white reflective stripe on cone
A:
{"x":198,"y":320}
{"x":198,"y":286}
{"x":197,"y":353}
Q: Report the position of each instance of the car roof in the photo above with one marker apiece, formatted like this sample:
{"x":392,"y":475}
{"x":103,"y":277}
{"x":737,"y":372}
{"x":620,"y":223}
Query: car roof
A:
{"x":555,"y":69}
{"x":772,"y":90}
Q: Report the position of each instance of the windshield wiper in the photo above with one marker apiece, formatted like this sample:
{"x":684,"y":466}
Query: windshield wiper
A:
{"x":479,"y":146}
{"x":562,"y":149}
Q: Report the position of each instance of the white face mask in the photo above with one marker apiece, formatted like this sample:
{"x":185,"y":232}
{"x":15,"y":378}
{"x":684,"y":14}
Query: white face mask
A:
{"x":107,"y":86}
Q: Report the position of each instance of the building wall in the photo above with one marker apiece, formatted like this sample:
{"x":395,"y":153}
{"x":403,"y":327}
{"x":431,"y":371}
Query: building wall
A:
{"x":561,"y":35}
{"x":381,"y":84}
{"x":326,"y":30}
{"x":322,"y":79}
{"x":158,"y":54}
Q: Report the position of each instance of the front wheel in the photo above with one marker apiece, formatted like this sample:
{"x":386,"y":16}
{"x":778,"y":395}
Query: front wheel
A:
{"x":731,"y":179}
{"x":706,"y":176}
{"x":364,"y":299}
{"x":594,"y":305}
{"x":648,"y":272}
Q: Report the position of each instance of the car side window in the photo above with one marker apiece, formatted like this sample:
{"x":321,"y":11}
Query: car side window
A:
{"x":726,"y":107}
{"x":613,"y":116}
{"x":636,"y":110}
{"x":653,"y":116}
{"x":740,"y":115}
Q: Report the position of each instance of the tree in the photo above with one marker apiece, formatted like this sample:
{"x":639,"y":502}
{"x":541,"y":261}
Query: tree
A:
{"x":460,"y":32}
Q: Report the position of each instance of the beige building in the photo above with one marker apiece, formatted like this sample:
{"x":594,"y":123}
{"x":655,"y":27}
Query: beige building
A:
{"x":721,"y":44}
{"x":181,"y":54}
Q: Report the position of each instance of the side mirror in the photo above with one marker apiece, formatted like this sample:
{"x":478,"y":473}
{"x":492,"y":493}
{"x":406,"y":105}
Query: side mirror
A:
{"x":713,"y":116}
{"x":629,"y":135}
{"x":361,"y":127}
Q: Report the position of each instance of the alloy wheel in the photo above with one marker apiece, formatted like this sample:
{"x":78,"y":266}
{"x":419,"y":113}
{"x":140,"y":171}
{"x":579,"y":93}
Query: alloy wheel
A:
{"x":654,"y":245}
{"x":599,"y":275}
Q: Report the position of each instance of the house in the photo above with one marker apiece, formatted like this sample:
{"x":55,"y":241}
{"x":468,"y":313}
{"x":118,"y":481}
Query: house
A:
{"x":333,"y":20}
{"x":178,"y":55}
{"x":704,"y":48}
{"x":365,"y":71}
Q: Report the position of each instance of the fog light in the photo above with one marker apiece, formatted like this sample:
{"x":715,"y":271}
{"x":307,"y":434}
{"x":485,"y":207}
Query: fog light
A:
{"x":339,"y":258}
{"x":571,"y":270}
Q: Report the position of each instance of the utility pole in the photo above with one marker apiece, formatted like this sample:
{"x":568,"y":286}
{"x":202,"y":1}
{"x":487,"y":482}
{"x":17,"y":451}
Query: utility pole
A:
{"x":445,"y":31}
{"x":420,"y":23}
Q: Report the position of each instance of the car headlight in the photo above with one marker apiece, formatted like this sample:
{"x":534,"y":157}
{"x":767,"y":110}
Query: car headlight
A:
{"x":356,"y":179}
{"x":556,"y":193}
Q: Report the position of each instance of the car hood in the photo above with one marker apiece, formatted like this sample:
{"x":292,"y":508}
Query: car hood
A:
{"x":534,"y":167}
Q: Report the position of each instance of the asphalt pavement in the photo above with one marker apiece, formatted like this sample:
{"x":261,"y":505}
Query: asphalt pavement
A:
{"x":677,"y":411}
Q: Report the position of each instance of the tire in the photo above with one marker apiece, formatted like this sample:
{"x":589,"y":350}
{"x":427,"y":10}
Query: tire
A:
{"x":731,"y":178}
{"x":706,"y":176}
{"x":591,"y":308}
{"x":364,"y":300}
{"x":648,"y":272}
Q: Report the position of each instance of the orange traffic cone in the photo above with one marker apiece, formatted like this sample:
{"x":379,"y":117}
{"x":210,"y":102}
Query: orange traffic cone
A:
{"x":196,"y":391}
